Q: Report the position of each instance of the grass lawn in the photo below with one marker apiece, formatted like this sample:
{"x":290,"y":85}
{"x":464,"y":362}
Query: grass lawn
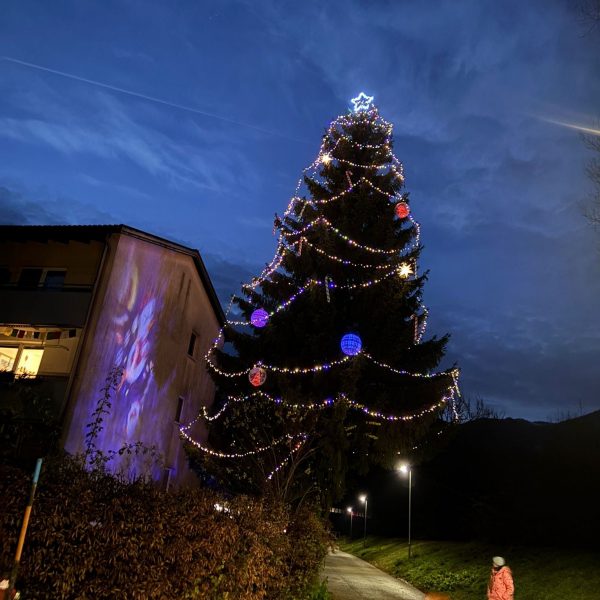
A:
{"x":461,"y":569}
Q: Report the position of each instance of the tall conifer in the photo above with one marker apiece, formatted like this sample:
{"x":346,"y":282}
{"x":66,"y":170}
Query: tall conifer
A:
{"x":334,"y":325}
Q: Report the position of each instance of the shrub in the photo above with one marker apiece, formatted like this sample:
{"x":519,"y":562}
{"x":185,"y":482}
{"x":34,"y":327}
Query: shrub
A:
{"x":92,"y":535}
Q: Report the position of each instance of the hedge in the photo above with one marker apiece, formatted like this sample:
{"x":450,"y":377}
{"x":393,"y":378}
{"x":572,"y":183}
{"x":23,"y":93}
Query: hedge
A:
{"x":92,"y":535}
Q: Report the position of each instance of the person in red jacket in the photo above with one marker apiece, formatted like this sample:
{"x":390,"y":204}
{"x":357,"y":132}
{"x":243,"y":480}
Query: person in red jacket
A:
{"x":501,"y":586}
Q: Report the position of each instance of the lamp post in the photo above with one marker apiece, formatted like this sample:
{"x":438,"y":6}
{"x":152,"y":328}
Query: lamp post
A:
{"x":349,"y":509}
{"x":406,"y":469}
{"x":365,"y":500}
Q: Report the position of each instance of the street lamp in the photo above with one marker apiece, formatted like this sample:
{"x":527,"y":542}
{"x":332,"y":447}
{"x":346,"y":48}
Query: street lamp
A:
{"x":365,"y":500}
{"x":406,"y":470}
{"x":349,"y":509}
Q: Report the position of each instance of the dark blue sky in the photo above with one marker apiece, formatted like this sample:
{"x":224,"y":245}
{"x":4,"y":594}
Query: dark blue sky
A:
{"x":246,"y":90}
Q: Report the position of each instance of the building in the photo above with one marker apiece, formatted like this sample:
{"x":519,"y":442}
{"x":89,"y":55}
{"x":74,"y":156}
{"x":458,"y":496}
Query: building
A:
{"x":79,"y":301}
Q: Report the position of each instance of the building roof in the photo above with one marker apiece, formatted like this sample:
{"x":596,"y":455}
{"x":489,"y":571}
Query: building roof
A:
{"x":100,"y":233}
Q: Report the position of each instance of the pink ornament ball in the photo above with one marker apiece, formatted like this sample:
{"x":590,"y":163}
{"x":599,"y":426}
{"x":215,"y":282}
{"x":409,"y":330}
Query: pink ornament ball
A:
{"x":257,"y":376}
{"x":402,"y":210}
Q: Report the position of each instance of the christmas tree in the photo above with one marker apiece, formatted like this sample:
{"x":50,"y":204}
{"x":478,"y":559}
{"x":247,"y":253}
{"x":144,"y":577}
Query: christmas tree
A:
{"x":325,"y":369}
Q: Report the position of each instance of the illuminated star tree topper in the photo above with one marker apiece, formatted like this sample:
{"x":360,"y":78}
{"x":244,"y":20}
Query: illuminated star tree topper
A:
{"x":362,"y":102}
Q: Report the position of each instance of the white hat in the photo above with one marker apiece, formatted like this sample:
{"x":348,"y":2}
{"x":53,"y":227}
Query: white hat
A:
{"x":498,"y":561}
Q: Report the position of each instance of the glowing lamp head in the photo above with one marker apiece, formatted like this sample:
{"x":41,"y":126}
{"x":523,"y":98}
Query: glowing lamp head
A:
{"x":363,"y":498}
{"x":351,"y":344}
{"x":259,"y":317}
{"x":257,"y":376}
{"x":402,"y":210}
{"x":404,"y":468}
{"x":349,"y":509}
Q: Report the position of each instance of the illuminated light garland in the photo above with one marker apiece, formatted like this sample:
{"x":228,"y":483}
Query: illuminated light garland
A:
{"x":261,"y":449}
{"x":363,"y":179}
{"x":268,"y":270}
{"x":394,"y":270}
{"x":343,"y":261}
{"x":281,"y":306}
{"x":402,"y":251}
{"x":345,"y":192}
{"x":453,"y":372}
{"x":423,"y":327}
{"x":348,"y":139}
{"x":326,"y":148}
{"x":362,"y":166}
{"x":289,"y":457}
{"x":329,"y":402}
{"x":326,"y":366}
{"x":276,"y":369}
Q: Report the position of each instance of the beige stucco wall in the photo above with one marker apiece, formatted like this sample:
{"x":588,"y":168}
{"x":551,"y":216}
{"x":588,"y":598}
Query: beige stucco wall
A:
{"x":149,"y":301}
{"x":80,"y":259}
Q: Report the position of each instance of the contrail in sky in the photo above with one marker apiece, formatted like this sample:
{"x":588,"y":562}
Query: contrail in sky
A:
{"x":150,"y":98}
{"x":589,"y":130}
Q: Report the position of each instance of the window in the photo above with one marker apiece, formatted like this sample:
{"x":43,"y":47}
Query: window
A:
{"x":179,"y":409}
{"x":7,"y":358}
{"x":192,"y":344}
{"x":29,"y":362}
{"x":30,"y":278}
{"x":55,"y":279}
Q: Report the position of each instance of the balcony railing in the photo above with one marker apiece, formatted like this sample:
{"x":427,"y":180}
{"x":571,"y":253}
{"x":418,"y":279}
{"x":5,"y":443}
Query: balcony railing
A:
{"x":66,"y":305}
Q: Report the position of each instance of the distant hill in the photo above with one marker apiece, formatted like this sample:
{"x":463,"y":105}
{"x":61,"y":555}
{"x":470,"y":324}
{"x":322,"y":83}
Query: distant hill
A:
{"x":502,"y":480}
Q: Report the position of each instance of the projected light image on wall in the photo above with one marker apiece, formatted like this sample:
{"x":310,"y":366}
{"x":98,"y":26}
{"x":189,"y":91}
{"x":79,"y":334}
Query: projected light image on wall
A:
{"x":134,"y":329}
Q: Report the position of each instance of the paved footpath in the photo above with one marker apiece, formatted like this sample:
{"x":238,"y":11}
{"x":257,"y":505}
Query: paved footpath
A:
{"x":350,"y":578}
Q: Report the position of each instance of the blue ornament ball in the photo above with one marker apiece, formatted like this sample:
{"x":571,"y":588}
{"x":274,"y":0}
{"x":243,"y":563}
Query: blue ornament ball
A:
{"x":259,"y":317}
{"x":351,"y":344}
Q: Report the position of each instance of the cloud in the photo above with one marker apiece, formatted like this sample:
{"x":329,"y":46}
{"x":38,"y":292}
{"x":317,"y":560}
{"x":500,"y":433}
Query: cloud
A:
{"x":18,"y":208}
{"x":227,"y":276}
{"x":103,"y":126}
{"x":527,"y":366}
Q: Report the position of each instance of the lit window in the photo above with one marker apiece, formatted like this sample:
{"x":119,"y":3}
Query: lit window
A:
{"x":7,"y":358}
{"x":29,"y":362}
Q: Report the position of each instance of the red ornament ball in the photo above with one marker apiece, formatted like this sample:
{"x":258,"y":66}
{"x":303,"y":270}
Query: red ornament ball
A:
{"x":402,"y":210}
{"x":257,"y":376}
